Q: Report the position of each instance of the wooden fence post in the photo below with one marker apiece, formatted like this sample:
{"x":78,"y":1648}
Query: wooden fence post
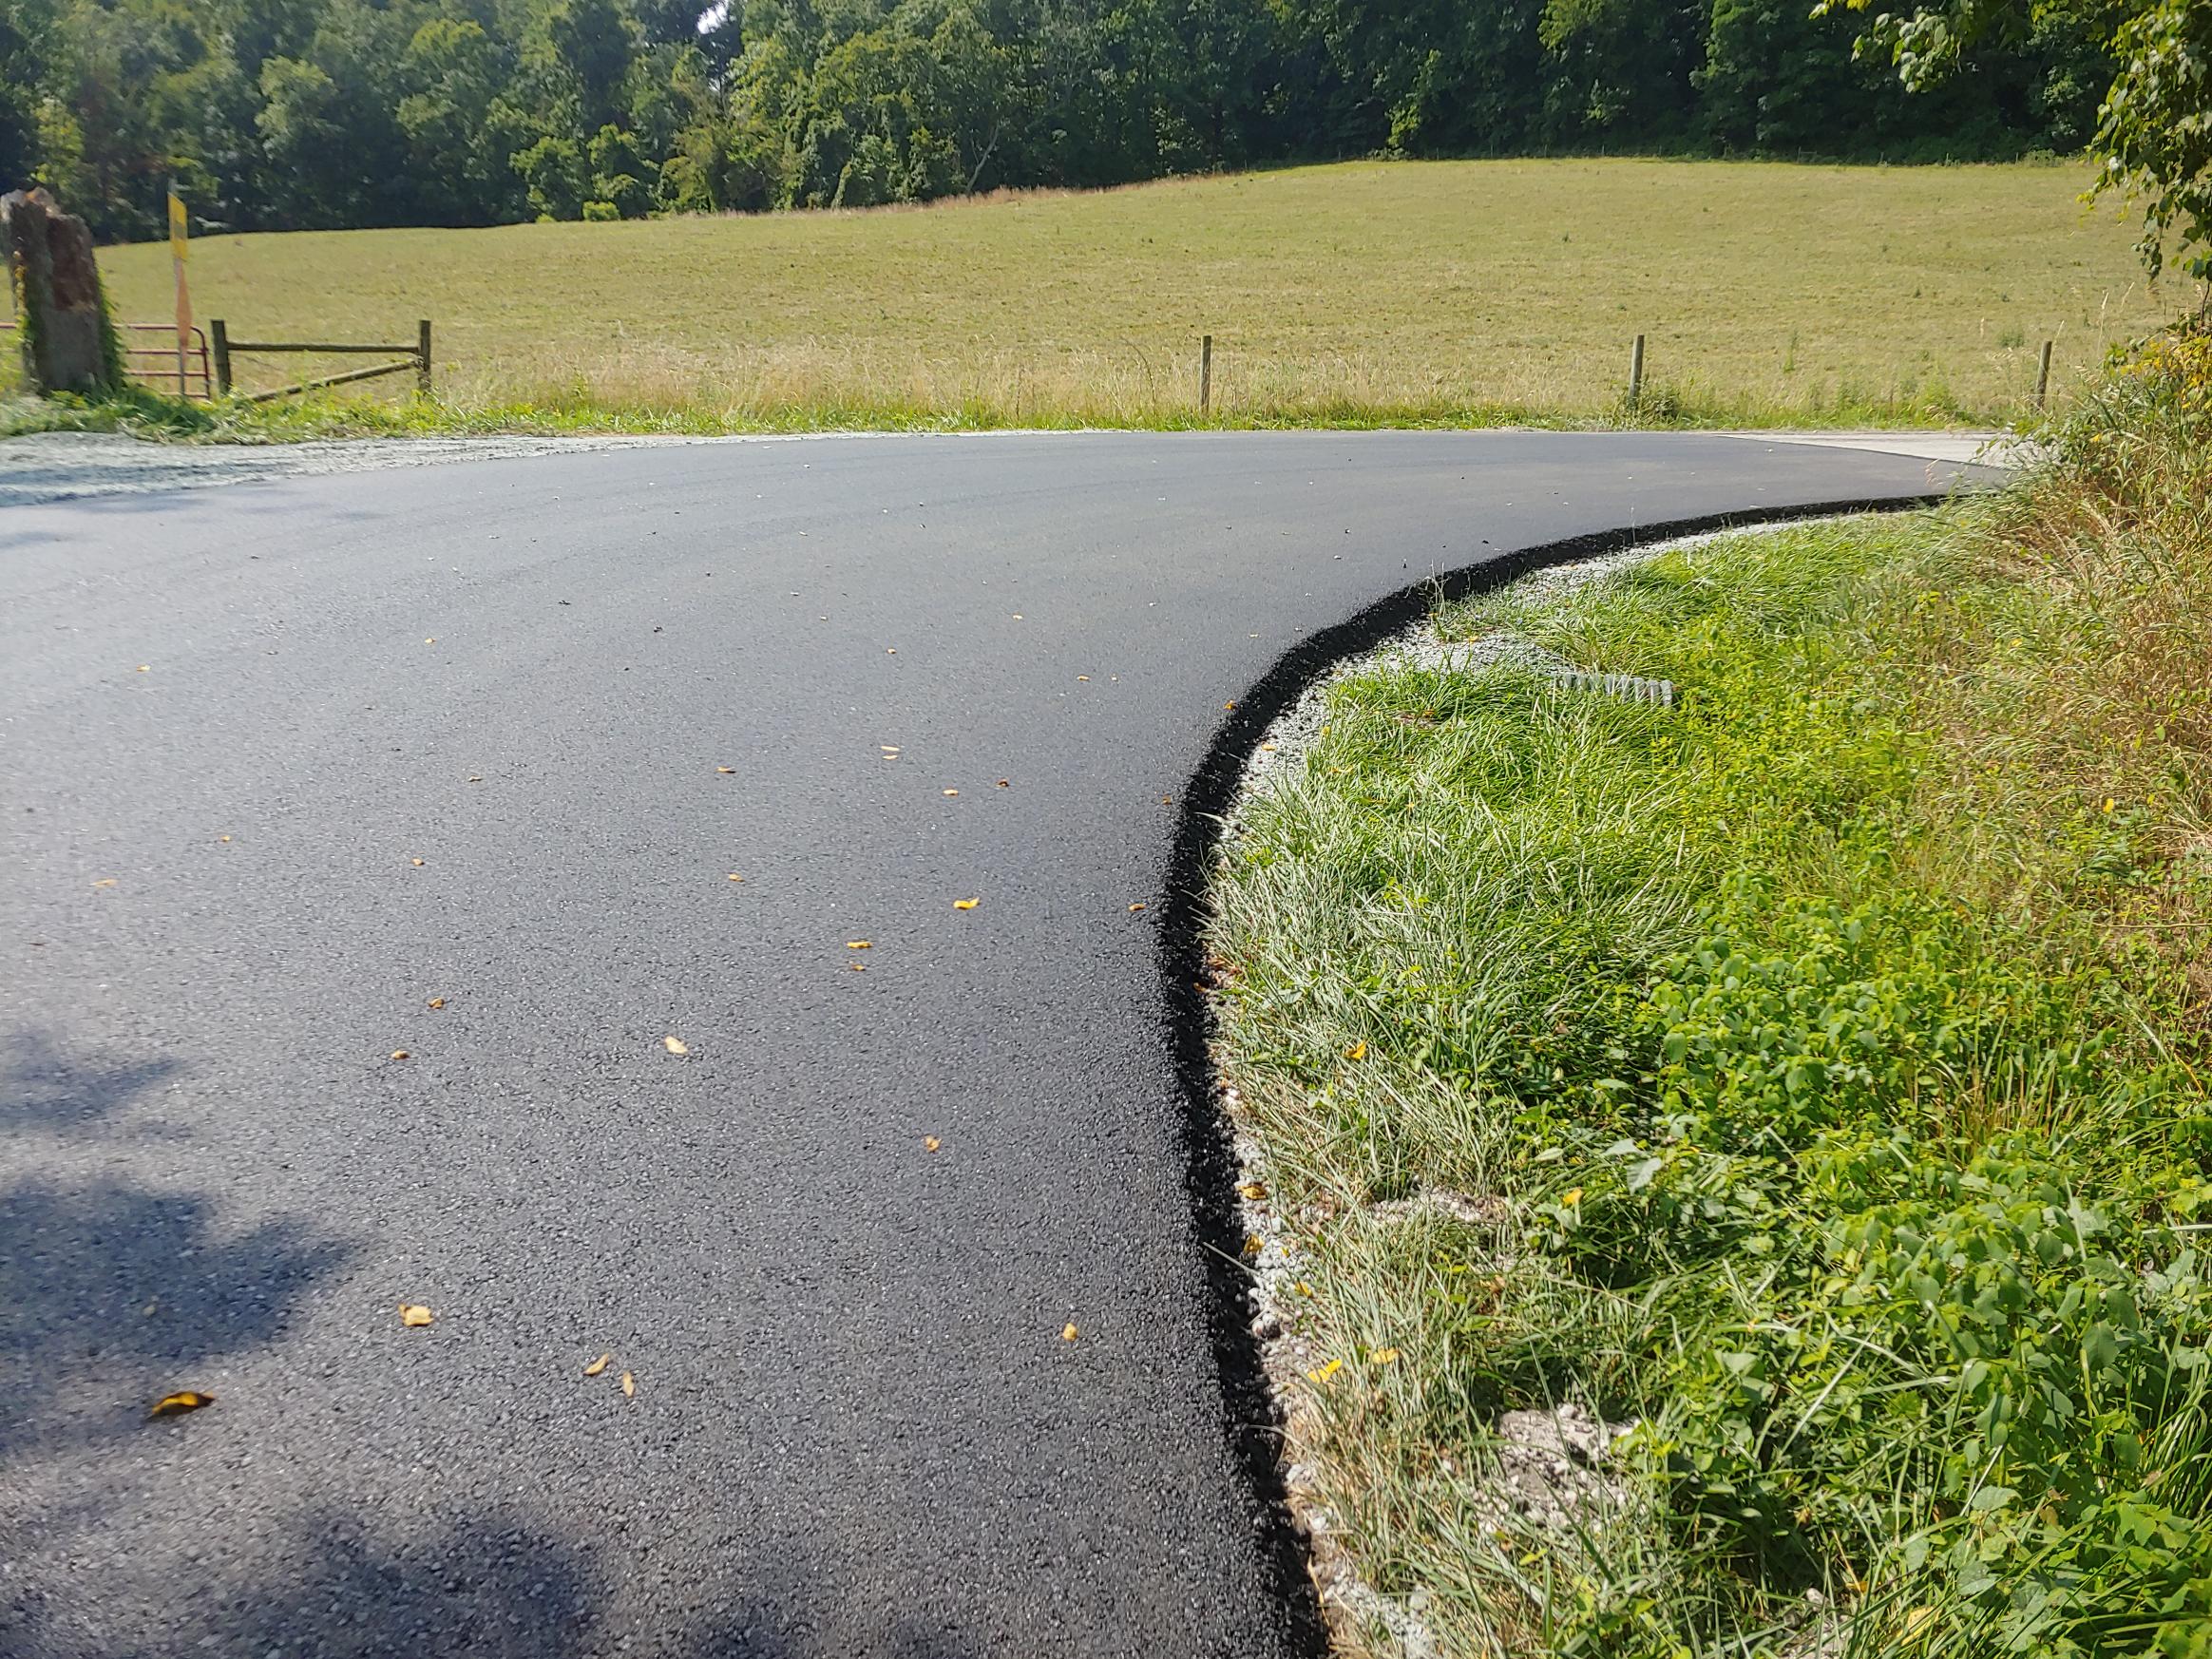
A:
{"x":222,"y":373}
{"x":1636,"y":372}
{"x":423,"y":356}
{"x":1205,"y":374}
{"x":2043,"y":376}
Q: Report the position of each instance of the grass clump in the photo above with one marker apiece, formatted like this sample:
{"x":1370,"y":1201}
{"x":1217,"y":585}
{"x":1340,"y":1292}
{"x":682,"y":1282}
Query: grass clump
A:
{"x":1811,"y":1075}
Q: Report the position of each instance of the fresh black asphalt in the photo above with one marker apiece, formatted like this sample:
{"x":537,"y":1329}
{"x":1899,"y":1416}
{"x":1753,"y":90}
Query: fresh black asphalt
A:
{"x":500,"y":733}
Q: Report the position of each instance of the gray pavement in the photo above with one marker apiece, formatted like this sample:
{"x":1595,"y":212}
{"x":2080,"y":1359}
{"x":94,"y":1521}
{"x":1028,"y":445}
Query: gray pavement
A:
{"x":282,"y":762}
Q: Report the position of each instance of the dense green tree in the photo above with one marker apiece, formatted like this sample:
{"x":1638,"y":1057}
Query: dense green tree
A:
{"x":294,"y":113}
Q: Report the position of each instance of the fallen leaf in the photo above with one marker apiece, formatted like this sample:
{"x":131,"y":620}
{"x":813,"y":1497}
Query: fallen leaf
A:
{"x":1267,"y":748}
{"x":727,"y":771}
{"x":737,"y":878}
{"x":629,"y":1386}
{"x":949,"y":794}
{"x":966,"y":903}
{"x":1572,"y":1197}
{"x":1085,"y":678}
{"x":1255,"y":1191}
{"x":1004,"y":785}
{"x":222,"y":838}
{"x":108,"y":882}
{"x":178,"y":1404}
{"x":1357,"y":1051}
{"x":598,"y":1365}
{"x":930,"y":1143}
{"x":416,"y":862}
{"x":1303,"y":1288}
{"x":1254,"y":1246}
{"x":431,"y":641}
{"x":1134,"y":909}
{"x":401,"y":1054}
{"x":437,"y":1002}
{"x":860,"y":945}
{"x":888,"y":748}
{"x":858,"y":967}
{"x":891,"y":651}
{"x":673,"y":1045}
{"x":1068,"y":1332}
{"x":146,"y":668}
{"x":1325,"y":1372}
{"x":151,"y":1309}
{"x":414,"y":1315}
{"x":475,"y":779}
{"x":1384,"y":1356}
{"x":1017,"y":616}
{"x":1228,"y":705}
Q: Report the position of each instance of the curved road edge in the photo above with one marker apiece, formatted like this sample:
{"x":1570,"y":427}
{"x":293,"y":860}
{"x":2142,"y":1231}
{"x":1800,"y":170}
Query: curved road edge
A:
{"x":1252,"y":1420}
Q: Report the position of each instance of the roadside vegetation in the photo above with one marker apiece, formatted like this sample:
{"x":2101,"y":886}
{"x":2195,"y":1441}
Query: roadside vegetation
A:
{"x":1447,"y":293}
{"x":1806,"y":1082}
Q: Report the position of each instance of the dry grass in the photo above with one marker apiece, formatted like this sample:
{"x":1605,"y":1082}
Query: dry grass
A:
{"x":1437,"y":292}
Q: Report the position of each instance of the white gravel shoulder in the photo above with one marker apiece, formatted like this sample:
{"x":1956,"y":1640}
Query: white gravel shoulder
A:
{"x":44,"y":467}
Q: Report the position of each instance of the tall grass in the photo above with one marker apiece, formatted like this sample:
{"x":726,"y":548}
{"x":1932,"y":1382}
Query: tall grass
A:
{"x":1361,"y":293}
{"x":1810,"y":1077}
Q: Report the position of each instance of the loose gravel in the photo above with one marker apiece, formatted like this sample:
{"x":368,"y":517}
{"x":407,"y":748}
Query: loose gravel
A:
{"x":44,"y":467}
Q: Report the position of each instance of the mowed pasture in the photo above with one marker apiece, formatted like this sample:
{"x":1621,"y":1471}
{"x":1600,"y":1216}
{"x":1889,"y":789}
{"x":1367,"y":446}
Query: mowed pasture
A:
{"x":1443,"y":292}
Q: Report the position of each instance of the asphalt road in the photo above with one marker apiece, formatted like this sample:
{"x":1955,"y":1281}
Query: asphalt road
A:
{"x":283,"y":762}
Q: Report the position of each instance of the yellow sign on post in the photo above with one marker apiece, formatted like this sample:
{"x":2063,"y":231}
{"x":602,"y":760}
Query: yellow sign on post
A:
{"x":178,"y":245}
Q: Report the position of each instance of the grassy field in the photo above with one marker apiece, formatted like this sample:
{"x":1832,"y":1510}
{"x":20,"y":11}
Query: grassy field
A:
{"x":1808,"y":1082}
{"x":1370,"y":292}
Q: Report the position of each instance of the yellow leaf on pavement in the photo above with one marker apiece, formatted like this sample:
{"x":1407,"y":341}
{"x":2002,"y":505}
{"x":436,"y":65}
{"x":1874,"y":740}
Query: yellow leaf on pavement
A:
{"x":860,"y":945}
{"x":1068,"y":1332}
{"x":629,"y":1386}
{"x":930,"y":1143}
{"x":401,"y":1054}
{"x":437,"y":1002}
{"x":727,"y":771}
{"x":598,"y":1365}
{"x":177,"y":1404}
{"x":966,"y":903}
{"x":414,"y":1314}
{"x":673,"y":1045}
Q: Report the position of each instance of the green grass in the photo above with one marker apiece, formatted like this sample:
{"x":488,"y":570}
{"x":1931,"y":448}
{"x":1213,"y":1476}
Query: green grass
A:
{"x":1407,"y":292}
{"x":1815,"y":1070}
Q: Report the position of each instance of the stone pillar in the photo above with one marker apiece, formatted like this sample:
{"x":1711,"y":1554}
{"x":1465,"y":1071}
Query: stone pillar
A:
{"x":60,"y":321}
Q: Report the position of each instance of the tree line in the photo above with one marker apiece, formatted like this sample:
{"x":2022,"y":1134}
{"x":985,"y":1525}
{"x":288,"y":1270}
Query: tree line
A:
{"x":292,"y":114}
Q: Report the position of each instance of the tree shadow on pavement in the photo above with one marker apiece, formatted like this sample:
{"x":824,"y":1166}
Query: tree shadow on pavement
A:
{"x":117,"y":1287}
{"x":42,"y":1087}
{"x":113,"y":1289}
{"x":486,"y":1586}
